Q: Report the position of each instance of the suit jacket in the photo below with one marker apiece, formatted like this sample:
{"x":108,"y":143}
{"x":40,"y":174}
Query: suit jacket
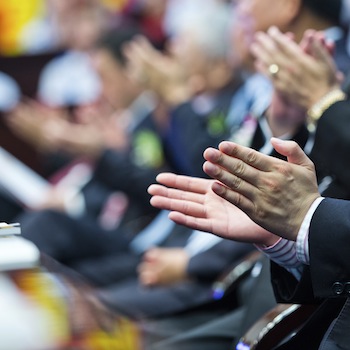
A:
{"x":195,"y":125}
{"x":327,"y":279}
{"x":331,"y":150}
{"x":130,"y":172}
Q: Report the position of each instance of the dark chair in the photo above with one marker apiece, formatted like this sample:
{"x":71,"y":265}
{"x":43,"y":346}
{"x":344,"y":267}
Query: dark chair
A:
{"x":275,"y":327}
{"x":227,"y":283}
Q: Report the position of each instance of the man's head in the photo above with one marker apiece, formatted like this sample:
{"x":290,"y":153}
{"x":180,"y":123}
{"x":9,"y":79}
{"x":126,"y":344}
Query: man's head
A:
{"x":117,"y":88}
{"x":200,"y":41}
{"x":293,"y":16}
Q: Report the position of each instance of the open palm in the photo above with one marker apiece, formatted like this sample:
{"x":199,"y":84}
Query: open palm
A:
{"x":193,"y":203}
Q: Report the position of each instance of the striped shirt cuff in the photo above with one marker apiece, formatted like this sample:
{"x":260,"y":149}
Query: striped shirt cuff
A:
{"x":283,"y":253}
{"x":302,"y":242}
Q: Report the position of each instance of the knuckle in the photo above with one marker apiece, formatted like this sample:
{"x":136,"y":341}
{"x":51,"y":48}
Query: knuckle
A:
{"x":285,"y":169}
{"x":236,"y":182}
{"x":252,"y":157}
{"x":234,"y":150}
{"x":238,"y":200}
{"x":271,"y":186}
{"x":240,"y":168}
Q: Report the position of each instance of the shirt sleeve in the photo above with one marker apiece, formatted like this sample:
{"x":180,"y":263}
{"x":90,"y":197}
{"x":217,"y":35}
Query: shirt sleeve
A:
{"x":283,"y":253}
{"x":293,"y":255}
{"x":302,"y":241}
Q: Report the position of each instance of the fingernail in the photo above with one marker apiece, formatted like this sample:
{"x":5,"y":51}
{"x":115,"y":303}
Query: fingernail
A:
{"x":211,"y":154}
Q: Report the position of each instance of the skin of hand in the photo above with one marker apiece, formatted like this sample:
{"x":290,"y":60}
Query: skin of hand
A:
{"x":29,"y":121}
{"x":306,"y":71}
{"x":90,"y":138}
{"x":193,"y":203}
{"x":163,"y":266}
{"x":275,"y":194}
{"x":54,"y":200}
{"x":156,"y":71}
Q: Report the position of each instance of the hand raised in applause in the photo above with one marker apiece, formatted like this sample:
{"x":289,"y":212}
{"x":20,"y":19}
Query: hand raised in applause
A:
{"x":193,"y":203}
{"x":303,"y":73}
{"x":157,"y":71}
{"x":276,"y":194}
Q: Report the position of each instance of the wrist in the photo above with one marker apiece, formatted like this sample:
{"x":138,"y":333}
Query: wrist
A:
{"x":270,"y":241}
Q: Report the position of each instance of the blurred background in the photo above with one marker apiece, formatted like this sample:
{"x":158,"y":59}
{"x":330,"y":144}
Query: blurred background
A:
{"x":20,"y":16}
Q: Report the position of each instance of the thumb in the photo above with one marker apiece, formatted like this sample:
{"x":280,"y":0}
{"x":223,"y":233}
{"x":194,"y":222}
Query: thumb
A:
{"x":292,"y":151}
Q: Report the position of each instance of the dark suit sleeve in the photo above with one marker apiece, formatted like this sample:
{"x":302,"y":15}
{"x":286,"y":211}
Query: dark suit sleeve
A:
{"x":209,"y":264}
{"x":331,"y":149}
{"x":117,"y":171}
{"x":329,"y":243}
{"x":190,"y":134}
{"x":328,"y":275}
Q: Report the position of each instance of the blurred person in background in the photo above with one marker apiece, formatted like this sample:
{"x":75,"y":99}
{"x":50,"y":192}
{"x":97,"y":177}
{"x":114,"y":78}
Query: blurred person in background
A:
{"x":84,"y":24}
{"x":93,"y":196}
{"x":148,"y":16}
{"x":49,"y":31}
{"x":68,"y":81}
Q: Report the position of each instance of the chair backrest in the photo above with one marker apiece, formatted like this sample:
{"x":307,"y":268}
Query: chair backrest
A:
{"x":230,"y":279}
{"x":277,"y":325}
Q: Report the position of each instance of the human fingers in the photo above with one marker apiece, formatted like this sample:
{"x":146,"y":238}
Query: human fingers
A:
{"x":305,"y":43}
{"x":293,"y":152}
{"x":340,"y":77}
{"x":186,"y":207}
{"x":231,"y":171}
{"x":174,"y":194}
{"x":196,"y":223}
{"x":146,"y":46}
{"x":185,"y":183}
{"x":270,"y":60}
{"x":264,"y":48}
{"x":247,"y":155}
{"x":234,"y":196}
{"x":232,"y":177}
{"x":284,"y":43}
{"x":151,"y":254}
{"x":147,"y":276}
{"x":320,"y":52}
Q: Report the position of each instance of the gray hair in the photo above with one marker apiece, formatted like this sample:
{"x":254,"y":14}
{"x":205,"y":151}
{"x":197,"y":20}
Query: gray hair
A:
{"x":208,"y":22}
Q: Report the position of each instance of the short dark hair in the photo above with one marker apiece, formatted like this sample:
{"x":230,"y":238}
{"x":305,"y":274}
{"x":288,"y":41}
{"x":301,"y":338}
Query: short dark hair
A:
{"x":115,"y":39}
{"x":328,"y":9}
